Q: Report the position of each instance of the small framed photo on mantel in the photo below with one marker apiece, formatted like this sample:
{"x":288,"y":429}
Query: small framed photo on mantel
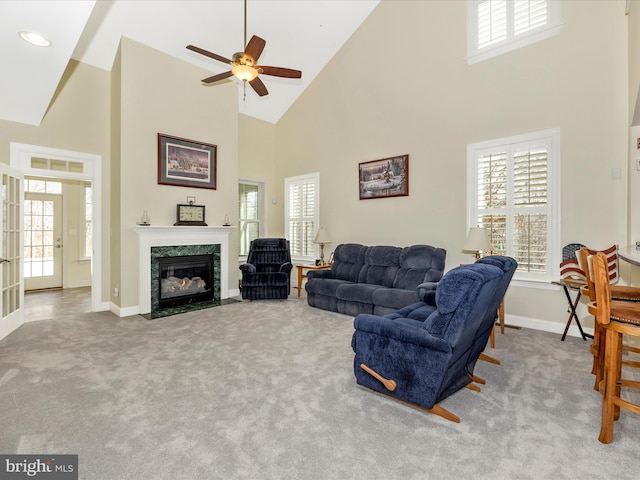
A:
{"x":186,"y":163}
{"x":387,"y":177}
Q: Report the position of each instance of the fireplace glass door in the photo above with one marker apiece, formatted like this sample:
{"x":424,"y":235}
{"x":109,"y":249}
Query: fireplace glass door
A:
{"x":185,"y":279}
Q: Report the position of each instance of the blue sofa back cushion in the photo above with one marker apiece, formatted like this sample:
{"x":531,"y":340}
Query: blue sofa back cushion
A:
{"x":381,"y":266}
{"x":348,"y":259}
{"x":456,"y":295}
{"x":419,"y":264}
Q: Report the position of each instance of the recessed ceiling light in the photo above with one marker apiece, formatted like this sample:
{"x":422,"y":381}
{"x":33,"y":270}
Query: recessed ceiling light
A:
{"x":34,"y":39}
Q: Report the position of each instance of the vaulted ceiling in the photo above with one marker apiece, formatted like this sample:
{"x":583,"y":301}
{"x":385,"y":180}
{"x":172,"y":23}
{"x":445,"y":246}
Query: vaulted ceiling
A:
{"x":302,"y":34}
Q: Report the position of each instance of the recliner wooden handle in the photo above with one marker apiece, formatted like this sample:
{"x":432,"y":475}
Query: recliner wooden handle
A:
{"x":388,"y":384}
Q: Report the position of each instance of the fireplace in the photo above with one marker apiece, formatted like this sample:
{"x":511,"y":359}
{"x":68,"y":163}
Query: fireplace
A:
{"x":185,"y":279}
{"x":156,"y":242}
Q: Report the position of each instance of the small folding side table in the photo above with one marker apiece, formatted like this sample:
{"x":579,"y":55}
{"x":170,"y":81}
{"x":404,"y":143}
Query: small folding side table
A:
{"x":567,"y":285}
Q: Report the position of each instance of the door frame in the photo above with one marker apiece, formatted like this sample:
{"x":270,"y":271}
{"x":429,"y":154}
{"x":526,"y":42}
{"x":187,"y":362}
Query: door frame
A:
{"x":21,"y":155}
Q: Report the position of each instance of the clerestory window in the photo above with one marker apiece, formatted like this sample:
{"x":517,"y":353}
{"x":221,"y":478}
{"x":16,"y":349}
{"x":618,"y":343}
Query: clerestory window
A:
{"x":495,"y":27}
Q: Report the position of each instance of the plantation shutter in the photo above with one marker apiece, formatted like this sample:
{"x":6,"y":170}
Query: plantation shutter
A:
{"x":248,"y":216}
{"x":302,"y":215}
{"x":512,"y":199}
{"x":530,"y":207}
{"x":528,"y":14}
{"x":492,"y":22}
{"x":500,"y":20}
{"x":493,"y":197}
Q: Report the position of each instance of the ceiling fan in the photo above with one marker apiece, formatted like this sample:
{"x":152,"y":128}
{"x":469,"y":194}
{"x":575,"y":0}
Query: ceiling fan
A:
{"x":243,"y":64}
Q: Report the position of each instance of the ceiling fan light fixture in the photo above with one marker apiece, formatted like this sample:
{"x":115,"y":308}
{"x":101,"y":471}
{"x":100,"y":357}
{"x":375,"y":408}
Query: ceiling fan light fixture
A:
{"x":34,"y":39}
{"x":244,"y":72}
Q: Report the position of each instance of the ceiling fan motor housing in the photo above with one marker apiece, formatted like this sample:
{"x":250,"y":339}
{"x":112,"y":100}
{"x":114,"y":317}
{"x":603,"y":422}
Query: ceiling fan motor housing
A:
{"x":242,"y":58}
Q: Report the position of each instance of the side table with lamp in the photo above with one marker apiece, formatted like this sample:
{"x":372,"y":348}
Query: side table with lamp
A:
{"x":322,"y":238}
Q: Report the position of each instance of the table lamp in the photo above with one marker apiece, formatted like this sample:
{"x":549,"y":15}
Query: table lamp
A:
{"x":322,"y":238}
{"x":477,"y":241}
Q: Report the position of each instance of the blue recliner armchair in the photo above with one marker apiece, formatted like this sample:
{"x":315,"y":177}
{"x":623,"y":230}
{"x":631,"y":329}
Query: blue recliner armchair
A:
{"x":424,"y":353}
{"x":267,"y":273}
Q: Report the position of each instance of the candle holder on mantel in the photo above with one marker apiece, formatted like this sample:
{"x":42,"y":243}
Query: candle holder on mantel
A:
{"x":145,"y":221}
{"x":227,"y":222}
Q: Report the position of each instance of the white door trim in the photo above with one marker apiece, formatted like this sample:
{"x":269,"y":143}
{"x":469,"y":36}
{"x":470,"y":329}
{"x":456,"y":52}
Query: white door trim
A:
{"x":20,"y":157}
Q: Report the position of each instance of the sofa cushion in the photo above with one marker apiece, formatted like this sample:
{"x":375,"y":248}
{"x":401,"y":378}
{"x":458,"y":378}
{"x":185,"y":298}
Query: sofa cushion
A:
{"x":380,"y":266}
{"x":419,"y":264}
{"x":394,"y":298}
{"x":328,"y":286}
{"x":348,"y":259}
{"x":356,"y":292}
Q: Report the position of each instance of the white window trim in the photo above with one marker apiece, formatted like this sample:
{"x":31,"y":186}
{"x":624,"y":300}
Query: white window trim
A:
{"x":475,"y":55}
{"x":307,"y":178}
{"x":553,"y":200}
{"x":261,"y":209}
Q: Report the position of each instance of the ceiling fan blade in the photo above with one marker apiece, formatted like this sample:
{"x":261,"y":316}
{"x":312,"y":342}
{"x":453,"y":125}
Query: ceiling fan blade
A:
{"x":215,"y":78}
{"x":280,"y":72}
{"x":255,"y":47}
{"x":259,"y":87}
{"x":207,"y":53}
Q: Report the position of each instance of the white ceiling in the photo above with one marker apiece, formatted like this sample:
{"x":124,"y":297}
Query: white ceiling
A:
{"x":300,"y":34}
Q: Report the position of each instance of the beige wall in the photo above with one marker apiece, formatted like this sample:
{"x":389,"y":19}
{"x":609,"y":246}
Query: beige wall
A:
{"x":160,"y":94}
{"x":78,"y":120}
{"x":401,"y":85}
{"x":257,"y":163}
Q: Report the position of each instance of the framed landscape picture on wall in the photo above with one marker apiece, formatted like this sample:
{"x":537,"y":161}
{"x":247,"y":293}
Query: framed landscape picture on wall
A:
{"x":387,"y":177}
{"x":186,"y":163}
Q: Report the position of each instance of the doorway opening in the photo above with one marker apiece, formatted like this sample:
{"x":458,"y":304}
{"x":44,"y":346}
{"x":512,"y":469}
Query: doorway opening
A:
{"x":69,"y":168}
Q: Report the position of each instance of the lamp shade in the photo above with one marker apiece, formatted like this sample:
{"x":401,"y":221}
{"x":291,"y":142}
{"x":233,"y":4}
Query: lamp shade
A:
{"x":244,"y":72}
{"x":322,"y":236}
{"x":477,"y":241}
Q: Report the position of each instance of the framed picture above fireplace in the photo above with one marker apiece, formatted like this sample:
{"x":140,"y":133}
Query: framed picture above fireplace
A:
{"x":186,"y":163}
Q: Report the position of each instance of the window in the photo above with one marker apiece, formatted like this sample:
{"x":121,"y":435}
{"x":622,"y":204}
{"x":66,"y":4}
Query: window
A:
{"x":249,"y":207}
{"x":302,"y":216}
{"x":495,"y":27}
{"x":86,"y":243}
{"x":514,"y":193}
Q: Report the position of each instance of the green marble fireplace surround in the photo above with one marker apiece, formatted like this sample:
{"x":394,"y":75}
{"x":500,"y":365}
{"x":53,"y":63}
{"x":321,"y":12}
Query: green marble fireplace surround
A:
{"x":156,"y":242}
{"x":183,"y":251}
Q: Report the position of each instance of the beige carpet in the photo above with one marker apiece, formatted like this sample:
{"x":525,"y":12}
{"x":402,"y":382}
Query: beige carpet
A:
{"x":265,"y":390}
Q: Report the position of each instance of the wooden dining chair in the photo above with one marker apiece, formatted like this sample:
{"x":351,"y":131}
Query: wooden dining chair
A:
{"x":615,"y":318}
{"x":619,"y":293}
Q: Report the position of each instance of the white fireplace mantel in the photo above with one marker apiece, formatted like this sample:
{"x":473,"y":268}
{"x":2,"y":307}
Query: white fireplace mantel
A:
{"x":165,"y":236}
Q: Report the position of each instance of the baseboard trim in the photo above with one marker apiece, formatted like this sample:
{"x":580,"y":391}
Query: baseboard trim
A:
{"x":124,"y":312}
{"x":545,"y":325}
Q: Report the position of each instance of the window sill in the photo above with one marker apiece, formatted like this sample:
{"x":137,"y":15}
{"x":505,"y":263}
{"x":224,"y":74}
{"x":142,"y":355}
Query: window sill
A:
{"x":514,"y":44}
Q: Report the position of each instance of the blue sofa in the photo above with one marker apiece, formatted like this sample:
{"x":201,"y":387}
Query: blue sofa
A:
{"x":425,"y":352}
{"x":375,"y":279}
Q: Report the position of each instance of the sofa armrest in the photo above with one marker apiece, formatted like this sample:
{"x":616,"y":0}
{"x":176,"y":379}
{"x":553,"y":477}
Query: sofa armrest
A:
{"x":427,"y":292}
{"x":248,"y":268}
{"x":286,"y":267}
{"x":319,"y":274}
{"x":386,"y":327}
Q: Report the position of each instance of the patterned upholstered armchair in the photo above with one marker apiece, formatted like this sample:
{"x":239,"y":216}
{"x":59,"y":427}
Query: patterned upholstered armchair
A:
{"x":267,"y":273}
